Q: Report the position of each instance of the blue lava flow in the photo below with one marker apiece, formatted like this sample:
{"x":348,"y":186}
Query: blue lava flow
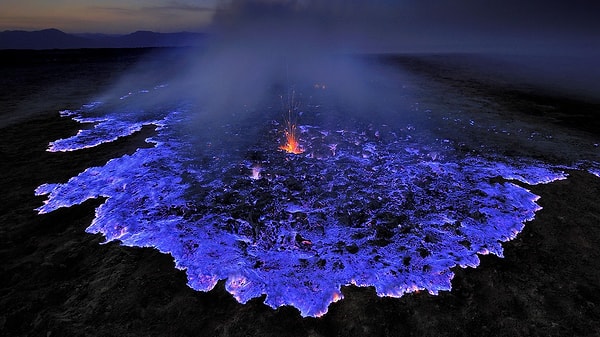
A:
{"x":374,"y":206}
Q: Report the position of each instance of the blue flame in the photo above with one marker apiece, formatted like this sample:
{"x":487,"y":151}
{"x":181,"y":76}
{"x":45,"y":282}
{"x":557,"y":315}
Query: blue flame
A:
{"x":374,"y":206}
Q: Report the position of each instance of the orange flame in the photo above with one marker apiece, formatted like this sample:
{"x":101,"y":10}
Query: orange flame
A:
{"x":291,"y":145}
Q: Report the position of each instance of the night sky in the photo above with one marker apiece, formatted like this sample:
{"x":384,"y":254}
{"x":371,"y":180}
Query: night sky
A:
{"x":380,"y":24}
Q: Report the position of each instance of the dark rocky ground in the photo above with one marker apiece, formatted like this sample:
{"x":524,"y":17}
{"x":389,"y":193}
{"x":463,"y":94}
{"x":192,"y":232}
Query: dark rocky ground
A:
{"x":56,"y":280}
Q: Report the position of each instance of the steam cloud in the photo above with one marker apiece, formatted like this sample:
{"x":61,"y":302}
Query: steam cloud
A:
{"x":259,"y":50}
{"x":263,"y":48}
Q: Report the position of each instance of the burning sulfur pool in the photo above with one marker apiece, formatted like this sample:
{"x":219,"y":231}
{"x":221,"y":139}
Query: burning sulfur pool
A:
{"x":371,"y":205}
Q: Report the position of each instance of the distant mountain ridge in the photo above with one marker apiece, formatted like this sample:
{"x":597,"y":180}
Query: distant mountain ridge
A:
{"x":56,"y":39}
